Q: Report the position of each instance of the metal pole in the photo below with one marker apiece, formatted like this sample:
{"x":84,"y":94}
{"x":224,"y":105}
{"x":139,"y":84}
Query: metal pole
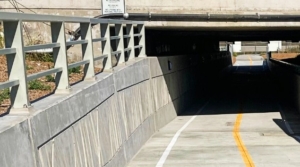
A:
{"x":87,"y":50}
{"x":13,"y":33}
{"x":142,"y":39}
{"x":120,"y":42}
{"x":106,"y":47}
{"x":60,"y":57}
{"x":130,"y":41}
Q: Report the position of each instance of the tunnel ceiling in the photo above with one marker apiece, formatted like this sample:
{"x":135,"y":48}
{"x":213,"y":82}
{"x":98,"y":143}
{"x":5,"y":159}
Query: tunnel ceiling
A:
{"x":230,"y":34}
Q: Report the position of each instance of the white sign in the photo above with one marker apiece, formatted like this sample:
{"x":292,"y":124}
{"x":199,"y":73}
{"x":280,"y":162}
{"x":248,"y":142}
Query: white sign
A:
{"x":274,"y":46}
{"x":237,"y":46}
{"x":113,"y":6}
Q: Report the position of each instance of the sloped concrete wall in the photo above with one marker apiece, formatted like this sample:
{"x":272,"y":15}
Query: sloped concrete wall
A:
{"x":288,"y":78}
{"x":103,"y":122}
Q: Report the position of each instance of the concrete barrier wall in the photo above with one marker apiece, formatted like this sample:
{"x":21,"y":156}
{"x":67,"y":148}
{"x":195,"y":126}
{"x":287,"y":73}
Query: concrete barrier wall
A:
{"x":103,"y":122}
{"x":289,"y":82}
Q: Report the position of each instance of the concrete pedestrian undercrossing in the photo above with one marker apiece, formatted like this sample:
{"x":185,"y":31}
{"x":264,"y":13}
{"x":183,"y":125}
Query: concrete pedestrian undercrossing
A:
{"x":241,"y":125}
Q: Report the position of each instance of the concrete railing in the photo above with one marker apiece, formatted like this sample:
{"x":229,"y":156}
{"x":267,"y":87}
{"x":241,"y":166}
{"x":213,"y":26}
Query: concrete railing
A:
{"x":15,"y":50}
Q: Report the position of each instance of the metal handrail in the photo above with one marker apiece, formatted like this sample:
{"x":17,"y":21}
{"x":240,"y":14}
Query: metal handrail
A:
{"x":15,"y":49}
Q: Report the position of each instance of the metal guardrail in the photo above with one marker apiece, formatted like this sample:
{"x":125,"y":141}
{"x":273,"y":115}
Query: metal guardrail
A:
{"x":15,"y":50}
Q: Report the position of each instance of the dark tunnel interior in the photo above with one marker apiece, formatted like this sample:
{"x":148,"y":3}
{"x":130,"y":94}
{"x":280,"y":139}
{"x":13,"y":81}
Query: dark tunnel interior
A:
{"x":257,"y":88}
{"x":162,"y":42}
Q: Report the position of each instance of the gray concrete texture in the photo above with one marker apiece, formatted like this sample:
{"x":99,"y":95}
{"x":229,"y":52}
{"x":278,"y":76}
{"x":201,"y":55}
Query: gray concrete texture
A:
{"x":246,"y":103}
{"x":171,"y":5}
{"x":100,"y":123}
{"x":91,"y":8}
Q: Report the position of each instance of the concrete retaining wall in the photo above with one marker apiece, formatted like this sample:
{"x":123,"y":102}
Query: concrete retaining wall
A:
{"x":289,"y":83}
{"x":103,"y":122}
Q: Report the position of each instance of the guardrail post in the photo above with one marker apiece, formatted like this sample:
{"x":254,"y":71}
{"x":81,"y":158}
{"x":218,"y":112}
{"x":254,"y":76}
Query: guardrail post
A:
{"x":141,"y":30}
{"x":130,"y":41}
{"x":13,"y":32}
{"x":230,"y":49}
{"x":106,"y":47}
{"x":87,"y":50}
{"x":60,"y":57}
{"x":120,"y":42}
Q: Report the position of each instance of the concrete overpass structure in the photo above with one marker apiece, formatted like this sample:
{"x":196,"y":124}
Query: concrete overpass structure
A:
{"x":159,"y":76}
{"x":208,"y":30}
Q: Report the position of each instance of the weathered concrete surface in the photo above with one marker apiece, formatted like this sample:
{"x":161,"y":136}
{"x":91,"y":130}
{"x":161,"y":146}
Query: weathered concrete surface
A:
{"x":177,"y":6}
{"x":91,"y":8}
{"x":209,"y":141}
{"x":103,"y":122}
{"x":15,"y":143}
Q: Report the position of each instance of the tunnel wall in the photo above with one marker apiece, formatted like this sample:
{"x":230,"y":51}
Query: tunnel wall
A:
{"x":104,"y":122}
{"x":101,"y":123}
{"x":288,"y":77}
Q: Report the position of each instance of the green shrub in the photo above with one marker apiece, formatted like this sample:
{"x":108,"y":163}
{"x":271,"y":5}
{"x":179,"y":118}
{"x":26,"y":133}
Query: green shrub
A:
{"x":50,"y":78}
{"x":74,"y":70}
{"x":44,"y":57}
{"x":38,"y":85}
{"x":28,"y":67}
{"x":4,"y":94}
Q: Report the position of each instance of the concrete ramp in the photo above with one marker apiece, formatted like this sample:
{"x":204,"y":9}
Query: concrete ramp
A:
{"x":249,"y":60}
{"x":238,"y":126}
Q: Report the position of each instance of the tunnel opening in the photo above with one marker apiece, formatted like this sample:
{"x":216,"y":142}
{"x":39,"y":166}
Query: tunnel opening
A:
{"x":246,"y":83}
{"x":244,"y":103}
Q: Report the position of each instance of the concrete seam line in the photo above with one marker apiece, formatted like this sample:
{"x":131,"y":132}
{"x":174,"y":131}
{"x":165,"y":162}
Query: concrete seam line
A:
{"x":35,"y":158}
{"x":167,"y":151}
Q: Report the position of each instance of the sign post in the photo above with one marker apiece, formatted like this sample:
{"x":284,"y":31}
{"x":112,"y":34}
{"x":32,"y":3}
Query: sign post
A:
{"x":113,"y":6}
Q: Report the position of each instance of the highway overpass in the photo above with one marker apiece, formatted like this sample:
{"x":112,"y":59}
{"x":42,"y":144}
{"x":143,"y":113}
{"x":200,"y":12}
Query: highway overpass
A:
{"x":164,"y":97}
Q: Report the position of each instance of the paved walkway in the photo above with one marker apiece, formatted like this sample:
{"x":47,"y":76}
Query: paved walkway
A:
{"x":250,"y":59}
{"x":240,"y":125}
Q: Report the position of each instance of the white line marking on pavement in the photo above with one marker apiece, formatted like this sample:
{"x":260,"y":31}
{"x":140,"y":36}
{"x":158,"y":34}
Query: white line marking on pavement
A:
{"x":166,"y":153}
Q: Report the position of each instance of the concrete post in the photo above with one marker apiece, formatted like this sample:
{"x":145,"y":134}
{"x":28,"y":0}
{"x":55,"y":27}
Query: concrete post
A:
{"x":142,"y":39}
{"x":130,"y":41}
{"x":120,"y":42}
{"x":60,"y":57}
{"x":106,"y":47}
{"x":230,"y":50}
{"x":87,"y":50}
{"x":13,"y":32}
